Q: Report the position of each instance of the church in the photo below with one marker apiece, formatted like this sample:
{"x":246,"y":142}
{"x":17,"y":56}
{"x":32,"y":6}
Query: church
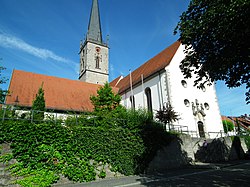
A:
{"x":152,"y":86}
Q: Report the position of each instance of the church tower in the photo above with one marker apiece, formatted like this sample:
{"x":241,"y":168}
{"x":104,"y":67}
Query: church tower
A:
{"x":94,"y":53}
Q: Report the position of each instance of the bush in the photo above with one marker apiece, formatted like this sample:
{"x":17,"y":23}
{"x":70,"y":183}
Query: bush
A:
{"x":247,"y":141}
{"x":70,"y":150}
{"x":228,"y":126}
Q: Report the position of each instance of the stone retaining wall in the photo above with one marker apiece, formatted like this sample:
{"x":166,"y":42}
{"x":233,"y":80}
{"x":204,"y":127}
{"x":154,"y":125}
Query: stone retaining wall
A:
{"x":185,"y":150}
{"x":179,"y":153}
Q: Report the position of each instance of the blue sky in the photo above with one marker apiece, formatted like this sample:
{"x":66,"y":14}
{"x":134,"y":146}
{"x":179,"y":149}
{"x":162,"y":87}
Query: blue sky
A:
{"x":43,"y":36}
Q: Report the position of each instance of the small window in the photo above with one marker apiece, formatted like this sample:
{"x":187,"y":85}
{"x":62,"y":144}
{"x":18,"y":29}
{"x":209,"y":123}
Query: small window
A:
{"x":206,"y":105}
{"x":186,"y":103}
{"x":184,"y":83}
{"x":98,"y":49}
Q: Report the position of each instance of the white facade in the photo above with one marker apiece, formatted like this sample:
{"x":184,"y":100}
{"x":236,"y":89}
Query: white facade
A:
{"x":194,"y":106}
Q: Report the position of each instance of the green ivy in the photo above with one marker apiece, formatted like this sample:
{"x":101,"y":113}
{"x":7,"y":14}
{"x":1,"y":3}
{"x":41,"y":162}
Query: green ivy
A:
{"x":75,"y":150}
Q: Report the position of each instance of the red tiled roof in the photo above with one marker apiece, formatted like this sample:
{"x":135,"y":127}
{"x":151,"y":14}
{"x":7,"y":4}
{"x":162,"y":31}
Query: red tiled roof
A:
{"x":243,"y":122}
{"x":149,"y":68}
{"x":59,"y":93}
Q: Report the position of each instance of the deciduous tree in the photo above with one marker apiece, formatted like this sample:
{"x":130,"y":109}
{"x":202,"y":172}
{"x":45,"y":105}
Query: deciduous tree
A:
{"x":167,"y":115}
{"x":3,"y":80}
{"x":215,"y":33}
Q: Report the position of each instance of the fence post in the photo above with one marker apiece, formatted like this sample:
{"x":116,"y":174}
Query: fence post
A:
{"x":56,"y":118}
{"x":4,"y":114}
{"x":32,"y":115}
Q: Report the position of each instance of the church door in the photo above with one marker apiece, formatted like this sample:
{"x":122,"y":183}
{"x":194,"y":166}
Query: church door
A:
{"x":201,"y":129}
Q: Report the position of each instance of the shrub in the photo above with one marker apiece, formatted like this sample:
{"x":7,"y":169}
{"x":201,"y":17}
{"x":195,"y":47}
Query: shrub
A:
{"x":52,"y":149}
{"x":228,"y":126}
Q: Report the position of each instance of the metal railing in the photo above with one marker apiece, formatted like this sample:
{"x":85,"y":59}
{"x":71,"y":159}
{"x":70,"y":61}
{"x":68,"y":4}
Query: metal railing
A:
{"x":10,"y":112}
{"x":195,"y":134}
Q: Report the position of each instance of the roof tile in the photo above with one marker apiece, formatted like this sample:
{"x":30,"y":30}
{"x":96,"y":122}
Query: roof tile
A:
{"x":157,"y":63}
{"x":59,"y":93}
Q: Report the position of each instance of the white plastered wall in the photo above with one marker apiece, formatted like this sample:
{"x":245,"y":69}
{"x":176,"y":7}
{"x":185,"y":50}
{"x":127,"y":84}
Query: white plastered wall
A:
{"x":178,"y":93}
{"x":167,"y":83}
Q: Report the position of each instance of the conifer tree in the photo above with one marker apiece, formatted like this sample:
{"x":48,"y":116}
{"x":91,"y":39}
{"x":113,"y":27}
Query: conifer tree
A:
{"x":106,"y":100}
{"x":38,"y":105}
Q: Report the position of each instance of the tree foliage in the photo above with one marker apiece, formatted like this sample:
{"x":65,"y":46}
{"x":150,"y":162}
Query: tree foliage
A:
{"x":228,"y":126}
{"x":106,"y":100}
{"x":167,"y":114}
{"x":38,"y":105}
{"x":3,"y":94}
{"x":3,"y":80}
{"x":215,"y":33}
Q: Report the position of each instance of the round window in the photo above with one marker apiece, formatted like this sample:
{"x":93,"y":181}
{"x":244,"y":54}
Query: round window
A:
{"x":186,"y":103}
{"x":184,"y":83}
{"x":206,"y":105}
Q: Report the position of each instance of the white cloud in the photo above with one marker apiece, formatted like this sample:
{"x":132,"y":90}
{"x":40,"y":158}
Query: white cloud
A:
{"x":9,"y":41}
{"x":111,"y":71}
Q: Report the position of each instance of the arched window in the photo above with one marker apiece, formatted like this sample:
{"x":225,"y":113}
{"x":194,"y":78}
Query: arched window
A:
{"x":149,"y":99}
{"x":97,"y":66}
{"x":132,"y":101}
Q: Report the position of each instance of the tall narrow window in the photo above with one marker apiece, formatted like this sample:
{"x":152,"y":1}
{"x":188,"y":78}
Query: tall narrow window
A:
{"x":149,"y":99}
{"x":98,"y":57}
{"x":97,"y":66}
{"x":132,"y":101}
{"x":82,"y":64}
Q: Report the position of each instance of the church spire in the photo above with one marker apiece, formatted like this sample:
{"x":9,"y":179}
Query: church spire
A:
{"x":94,"y":30}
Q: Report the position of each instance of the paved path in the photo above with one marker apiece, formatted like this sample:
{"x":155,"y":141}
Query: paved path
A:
{"x":228,"y":174}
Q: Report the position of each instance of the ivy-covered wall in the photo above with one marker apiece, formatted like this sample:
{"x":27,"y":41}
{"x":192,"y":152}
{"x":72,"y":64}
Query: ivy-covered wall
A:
{"x":50,"y":149}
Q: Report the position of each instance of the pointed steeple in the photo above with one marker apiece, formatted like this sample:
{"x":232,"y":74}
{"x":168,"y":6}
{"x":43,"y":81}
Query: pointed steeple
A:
{"x":94,"y":30}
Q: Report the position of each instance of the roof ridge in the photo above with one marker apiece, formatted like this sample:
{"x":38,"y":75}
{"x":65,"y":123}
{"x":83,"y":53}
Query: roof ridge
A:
{"x":52,"y":76}
{"x":159,"y":61}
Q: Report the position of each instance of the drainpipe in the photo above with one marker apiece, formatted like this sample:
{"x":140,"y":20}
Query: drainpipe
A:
{"x":161,"y":88}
